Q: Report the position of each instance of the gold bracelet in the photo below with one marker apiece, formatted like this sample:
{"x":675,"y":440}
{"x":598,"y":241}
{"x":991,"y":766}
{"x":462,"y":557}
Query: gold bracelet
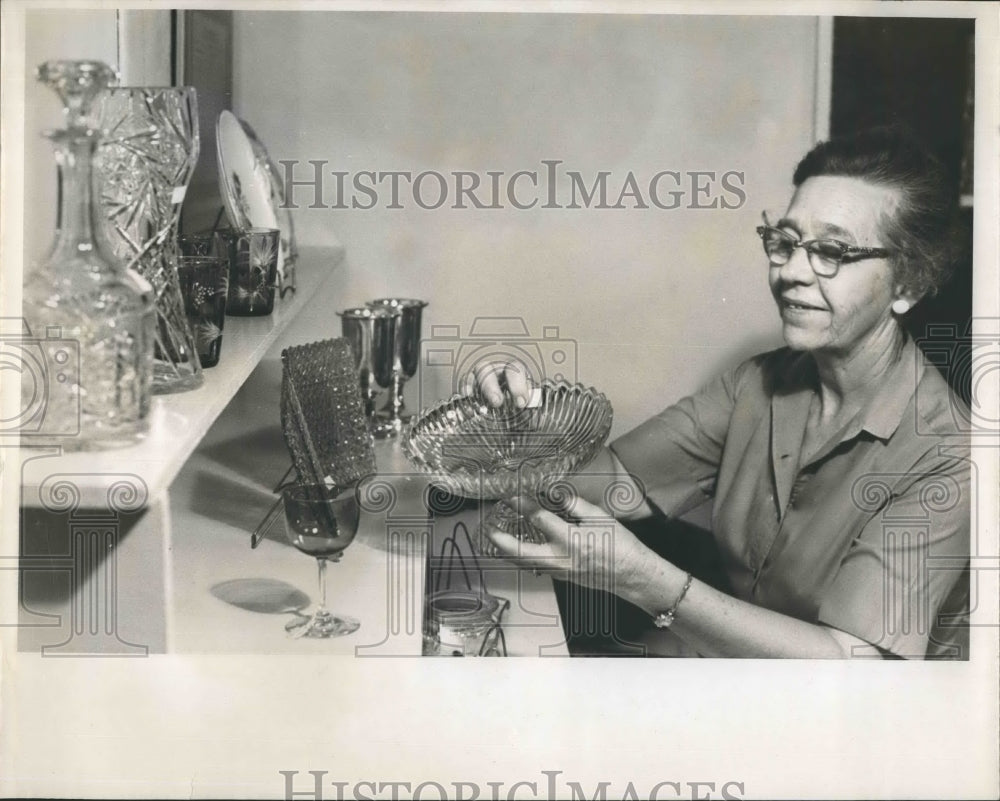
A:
{"x":664,"y":619}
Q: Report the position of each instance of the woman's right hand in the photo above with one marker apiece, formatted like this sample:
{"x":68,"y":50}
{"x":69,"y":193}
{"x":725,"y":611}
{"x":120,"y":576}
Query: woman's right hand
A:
{"x":494,"y":379}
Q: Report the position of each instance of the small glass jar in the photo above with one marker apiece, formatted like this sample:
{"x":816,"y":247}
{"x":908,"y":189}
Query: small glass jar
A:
{"x":253,"y":270}
{"x":462,"y":624}
{"x":204,"y":282}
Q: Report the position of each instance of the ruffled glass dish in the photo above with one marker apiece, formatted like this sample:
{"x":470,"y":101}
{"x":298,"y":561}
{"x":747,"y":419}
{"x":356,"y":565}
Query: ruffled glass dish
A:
{"x":474,"y":450}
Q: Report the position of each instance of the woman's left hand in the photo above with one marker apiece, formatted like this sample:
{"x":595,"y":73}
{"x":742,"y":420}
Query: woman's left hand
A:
{"x":584,"y":545}
{"x":589,"y":547}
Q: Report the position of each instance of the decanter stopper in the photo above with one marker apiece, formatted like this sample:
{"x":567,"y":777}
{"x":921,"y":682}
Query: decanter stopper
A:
{"x":78,"y":83}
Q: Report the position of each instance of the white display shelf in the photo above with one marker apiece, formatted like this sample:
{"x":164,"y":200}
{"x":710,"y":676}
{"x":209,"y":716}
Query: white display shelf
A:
{"x":179,"y":421}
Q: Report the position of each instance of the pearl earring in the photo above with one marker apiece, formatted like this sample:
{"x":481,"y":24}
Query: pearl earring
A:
{"x":900,"y":306}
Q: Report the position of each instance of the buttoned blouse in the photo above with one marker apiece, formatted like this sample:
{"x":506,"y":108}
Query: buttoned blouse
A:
{"x":868,"y":535}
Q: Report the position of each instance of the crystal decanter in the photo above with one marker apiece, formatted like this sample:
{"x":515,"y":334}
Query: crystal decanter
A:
{"x":90,"y":317}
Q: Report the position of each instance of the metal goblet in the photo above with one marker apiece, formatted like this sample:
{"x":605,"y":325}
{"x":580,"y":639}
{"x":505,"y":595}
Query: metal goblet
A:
{"x":405,"y":358}
{"x":369,"y":329}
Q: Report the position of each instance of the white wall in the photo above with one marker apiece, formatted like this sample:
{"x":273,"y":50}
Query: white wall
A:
{"x":658,"y":300}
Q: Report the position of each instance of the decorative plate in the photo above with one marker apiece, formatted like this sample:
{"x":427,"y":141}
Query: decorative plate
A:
{"x":289,"y":250}
{"x":244,"y":181}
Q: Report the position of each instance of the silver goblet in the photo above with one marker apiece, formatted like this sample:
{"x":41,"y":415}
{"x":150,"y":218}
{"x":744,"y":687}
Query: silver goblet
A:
{"x":405,"y":358}
{"x":369,"y":329}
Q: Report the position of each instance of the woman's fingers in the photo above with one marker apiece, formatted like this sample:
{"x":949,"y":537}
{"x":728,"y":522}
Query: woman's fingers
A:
{"x":518,"y":383}
{"x":493,"y":378}
{"x":487,"y":378}
{"x":555,"y":525}
{"x":550,"y":524}
{"x":531,"y":555}
{"x":576,"y":508}
{"x":568,"y":506}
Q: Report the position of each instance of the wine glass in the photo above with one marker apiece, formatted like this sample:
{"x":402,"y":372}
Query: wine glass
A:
{"x":321,"y":520}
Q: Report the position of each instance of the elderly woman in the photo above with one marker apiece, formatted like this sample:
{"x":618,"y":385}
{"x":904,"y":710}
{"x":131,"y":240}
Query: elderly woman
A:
{"x":835,"y":467}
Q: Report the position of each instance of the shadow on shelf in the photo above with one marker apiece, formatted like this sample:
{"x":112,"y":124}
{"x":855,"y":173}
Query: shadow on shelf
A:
{"x":231,"y":501}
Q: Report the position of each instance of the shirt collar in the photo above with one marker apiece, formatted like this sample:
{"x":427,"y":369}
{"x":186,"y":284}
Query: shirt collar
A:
{"x":884,"y":413}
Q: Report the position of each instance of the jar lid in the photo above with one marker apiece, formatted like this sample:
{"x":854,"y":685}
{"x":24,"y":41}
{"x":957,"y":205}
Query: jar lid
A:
{"x":454,"y":608}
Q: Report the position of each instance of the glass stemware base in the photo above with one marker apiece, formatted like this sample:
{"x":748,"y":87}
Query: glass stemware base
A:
{"x":505,"y":517}
{"x":323,"y":624}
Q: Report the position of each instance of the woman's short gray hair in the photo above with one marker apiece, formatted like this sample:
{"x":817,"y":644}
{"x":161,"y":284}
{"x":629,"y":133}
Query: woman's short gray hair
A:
{"x":923,"y":231}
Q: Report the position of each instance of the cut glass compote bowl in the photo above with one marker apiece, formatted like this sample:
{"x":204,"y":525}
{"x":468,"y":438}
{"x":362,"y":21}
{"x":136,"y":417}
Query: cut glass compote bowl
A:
{"x":473,"y":450}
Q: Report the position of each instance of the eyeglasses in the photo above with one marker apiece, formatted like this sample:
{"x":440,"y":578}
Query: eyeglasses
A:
{"x":825,"y":255}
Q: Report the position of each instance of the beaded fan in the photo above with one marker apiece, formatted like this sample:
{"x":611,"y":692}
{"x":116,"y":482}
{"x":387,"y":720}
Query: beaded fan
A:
{"x":322,"y":413}
{"x":322,"y":418}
